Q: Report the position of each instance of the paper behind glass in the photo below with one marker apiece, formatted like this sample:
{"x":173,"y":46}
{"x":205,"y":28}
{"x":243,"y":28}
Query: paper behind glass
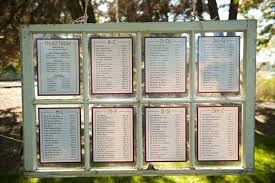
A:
{"x":58,"y":66}
{"x":165,"y":134}
{"x":60,"y":135}
{"x":113,"y":134}
{"x":111,"y":65}
{"x":218,"y":133}
{"x":219,"y":64}
{"x":165,"y":60}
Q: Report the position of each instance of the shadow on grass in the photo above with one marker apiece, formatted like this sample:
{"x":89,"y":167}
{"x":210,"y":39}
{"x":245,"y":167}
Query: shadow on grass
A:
{"x":265,"y":120}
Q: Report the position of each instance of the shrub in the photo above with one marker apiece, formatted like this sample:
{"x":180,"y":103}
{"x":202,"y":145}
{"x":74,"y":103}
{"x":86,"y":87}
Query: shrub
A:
{"x":265,"y":89}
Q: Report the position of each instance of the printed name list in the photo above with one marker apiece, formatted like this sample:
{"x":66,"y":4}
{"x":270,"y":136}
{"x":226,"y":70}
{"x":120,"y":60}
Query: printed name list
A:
{"x":218,"y":133}
{"x":111,"y":65}
{"x":165,"y":60}
{"x":58,"y":66}
{"x":219,"y":59}
{"x":112,"y":134}
{"x":165,"y":134}
{"x":60,"y":135}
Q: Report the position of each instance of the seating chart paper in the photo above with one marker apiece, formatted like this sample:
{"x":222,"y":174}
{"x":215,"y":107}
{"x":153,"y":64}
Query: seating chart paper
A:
{"x":58,"y":66}
{"x":219,"y":64}
{"x":112,"y":65}
{"x":218,"y":133}
{"x":165,"y":60}
{"x":165,"y":134}
{"x":59,"y":135}
{"x":113,"y":134}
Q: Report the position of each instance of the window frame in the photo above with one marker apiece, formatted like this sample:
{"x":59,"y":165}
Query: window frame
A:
{"x":246,"y":100}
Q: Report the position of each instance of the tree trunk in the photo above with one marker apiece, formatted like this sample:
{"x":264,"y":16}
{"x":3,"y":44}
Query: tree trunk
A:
{"x":74,"y":8}
{"x":148,"y":11}
{"x":199,"y":8}
{"x":233,"y":9}
{"x":233,"y":12}
{"x":213,"y":10}
{"x":91,"y":13}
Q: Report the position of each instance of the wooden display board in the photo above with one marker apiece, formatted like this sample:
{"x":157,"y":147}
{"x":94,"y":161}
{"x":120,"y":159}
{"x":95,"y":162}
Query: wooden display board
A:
{"x":132,"y":103}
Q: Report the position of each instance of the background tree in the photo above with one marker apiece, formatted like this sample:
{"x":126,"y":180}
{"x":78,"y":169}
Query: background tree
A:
{"x":167,"y":10}
{"x":266,"y":27}
{"x":264,"y":12}
{"x":16,"y":12}
{"x":149,"y":10}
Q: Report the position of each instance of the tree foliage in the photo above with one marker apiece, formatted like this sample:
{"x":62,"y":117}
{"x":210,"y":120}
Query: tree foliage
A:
{"x":155,"y":10}
{"x":18,"y":12}
{"x":167,"y":10}
{"x":265,"y":23}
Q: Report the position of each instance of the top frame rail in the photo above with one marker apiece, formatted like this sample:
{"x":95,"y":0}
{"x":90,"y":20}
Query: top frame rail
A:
{"x":202,"y":26}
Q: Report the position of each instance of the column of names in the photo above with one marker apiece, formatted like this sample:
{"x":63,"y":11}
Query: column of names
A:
{"x":59,"y":135}
{"x":219,"y":59}
{"x":113,"y":134}
{"x":165,"y":60}
{"x":111,"y":65}
{"x":218,"y":133}
{"x":165,"y":134}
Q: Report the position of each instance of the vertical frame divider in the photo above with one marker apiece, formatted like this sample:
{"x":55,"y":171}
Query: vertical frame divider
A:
{"x":86,"y":77}
{"x":192,"y":71}
{"x":249,"y":92}
{"x":244,"y":95}
{"x":29,"y":126}
{"x":138,"y":136}
{"x":138,"y":64}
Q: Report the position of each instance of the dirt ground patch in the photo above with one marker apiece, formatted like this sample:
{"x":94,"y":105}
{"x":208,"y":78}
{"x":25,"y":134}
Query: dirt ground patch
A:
{"x":10,"y":126}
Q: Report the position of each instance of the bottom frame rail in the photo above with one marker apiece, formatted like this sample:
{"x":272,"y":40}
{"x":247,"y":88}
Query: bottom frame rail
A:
{"x":135,"y":172}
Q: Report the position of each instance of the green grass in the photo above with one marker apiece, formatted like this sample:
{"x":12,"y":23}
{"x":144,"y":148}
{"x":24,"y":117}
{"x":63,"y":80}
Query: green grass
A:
{"x":264,"y":172}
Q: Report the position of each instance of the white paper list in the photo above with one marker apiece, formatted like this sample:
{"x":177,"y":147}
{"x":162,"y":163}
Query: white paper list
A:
{"x":165,"y":134}
{"x":58,"y":66}
{"x":218,"y":133}
{"x":111,"y":65}
{"x":60,"y":135}
{"x":113,"y":134}
{"x":219,"y":59}
{"x":165,"y":60}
